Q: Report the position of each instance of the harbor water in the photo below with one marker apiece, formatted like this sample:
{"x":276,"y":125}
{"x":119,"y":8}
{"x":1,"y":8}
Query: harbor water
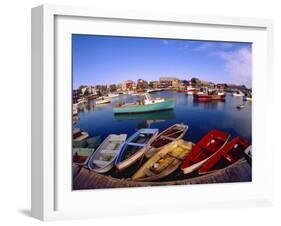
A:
{"x":201,"y":117}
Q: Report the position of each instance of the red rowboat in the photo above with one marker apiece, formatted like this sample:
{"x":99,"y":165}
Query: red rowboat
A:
{"x":230,"y":153}
{"x":204,"y":149}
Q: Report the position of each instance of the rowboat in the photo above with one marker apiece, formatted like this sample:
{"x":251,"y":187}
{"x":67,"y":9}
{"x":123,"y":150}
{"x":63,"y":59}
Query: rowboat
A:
{"x":79,"y":135}
{"x":80,"y":156}
{"x":92,"y":142}
{"x":248,"y":154}
{"x":135,"y":147}
{"x":103,"y":101}
{"x":148,"y":104}
{"x":204,"y":149}
{"x":230,"y":153}
{"x":169,"y":135}
{"x":164,"y":162}
{"x":248,"y":151}
{"x":102,"y":160}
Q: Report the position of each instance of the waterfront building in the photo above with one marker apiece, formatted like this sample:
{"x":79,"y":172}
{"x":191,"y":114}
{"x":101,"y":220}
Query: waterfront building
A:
{"x":166,"y":82}
{"x":154,"y":84}
{"x":176,"y":83}
{"x":128,"y":85}
{"x":75,"y":96}
{"x":142,"y":84}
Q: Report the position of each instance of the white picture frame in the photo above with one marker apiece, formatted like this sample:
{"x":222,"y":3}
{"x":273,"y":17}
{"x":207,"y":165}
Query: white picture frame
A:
{"x":52,"y":197}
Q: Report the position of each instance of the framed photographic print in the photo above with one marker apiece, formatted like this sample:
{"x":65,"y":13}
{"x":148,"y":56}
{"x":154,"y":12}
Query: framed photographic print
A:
{"x":144,"y":113}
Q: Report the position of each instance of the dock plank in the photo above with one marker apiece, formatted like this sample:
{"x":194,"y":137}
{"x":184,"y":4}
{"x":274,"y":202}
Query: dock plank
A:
{"x":237,"y":172}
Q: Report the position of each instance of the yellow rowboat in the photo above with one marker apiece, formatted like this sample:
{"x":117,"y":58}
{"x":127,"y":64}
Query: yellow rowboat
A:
{"x":164,"y":162}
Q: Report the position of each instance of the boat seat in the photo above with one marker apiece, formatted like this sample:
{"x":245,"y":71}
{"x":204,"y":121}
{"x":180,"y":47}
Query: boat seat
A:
{"x":136,"y":144}
{"x":108,"y":153}
{"x":229,"y":158}
{"x":168,"y":138}
{"x":100,"y":163}
{"x":148,"y":172}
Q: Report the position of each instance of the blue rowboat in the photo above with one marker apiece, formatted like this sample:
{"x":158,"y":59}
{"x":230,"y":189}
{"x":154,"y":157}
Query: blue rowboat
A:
{"x":135,"y":148}
{"x":147,"y":105}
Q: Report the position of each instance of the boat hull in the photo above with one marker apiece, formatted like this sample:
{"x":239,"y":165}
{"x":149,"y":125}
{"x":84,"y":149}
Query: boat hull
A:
{"x":134,"y":109}
{"x":171,"y":160}
{"x":125,"y":163}
{"x":230,"y":153}
{"x":204,"y":150}
{"x":154,"y":148}
{"x":114,"y":140}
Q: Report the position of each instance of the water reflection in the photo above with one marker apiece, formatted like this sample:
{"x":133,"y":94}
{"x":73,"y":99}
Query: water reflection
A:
{"x":162,"y":115}
{"x":100,"y":120}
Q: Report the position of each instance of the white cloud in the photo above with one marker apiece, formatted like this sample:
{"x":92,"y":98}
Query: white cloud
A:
{"x":238,"y":65}
{"x":205,"y":46}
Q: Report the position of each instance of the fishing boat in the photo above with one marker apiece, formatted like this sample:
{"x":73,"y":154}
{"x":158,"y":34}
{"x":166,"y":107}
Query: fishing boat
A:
{"x":202,"y":97}
{"x":79,"y":135}
{"x":169,"y":135}
{"x":207,"y":95}
{"x":218,"y":96}
{"x":164,"y":162}
{"x":204,"y":149}
{"x":153,"y":90}
{"x":230,"y":153}
{"x":238,"y":93}
{"x":102,"y":160}
{"x":80,"y":156}
{"x":103,"y":100}
{"x":148,"y":104}
{"x":135,"y":147}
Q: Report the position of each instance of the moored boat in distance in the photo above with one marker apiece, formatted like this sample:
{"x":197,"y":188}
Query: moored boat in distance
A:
{"x":153,"y":90}
{"x":169,"y":135}
{"x":206,"y":95}
{"x":204,"y":149}
{"x":113,"y":95}
{"x":135,"y":147}
{"x":238,"y":93}
{"x":241,"y":106}
{"x":103,"y":100}
{"x":229,"y":154}
{"x":164,"y":162}
{"x":102,"y":160}
{"x":148,"y":104}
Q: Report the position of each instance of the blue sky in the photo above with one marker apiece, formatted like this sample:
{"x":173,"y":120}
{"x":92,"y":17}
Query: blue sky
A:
{"x":110,"y":60}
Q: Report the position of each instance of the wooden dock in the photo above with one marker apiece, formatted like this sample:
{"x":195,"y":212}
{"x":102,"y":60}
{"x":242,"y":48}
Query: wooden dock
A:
{"x":85,"y":179}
